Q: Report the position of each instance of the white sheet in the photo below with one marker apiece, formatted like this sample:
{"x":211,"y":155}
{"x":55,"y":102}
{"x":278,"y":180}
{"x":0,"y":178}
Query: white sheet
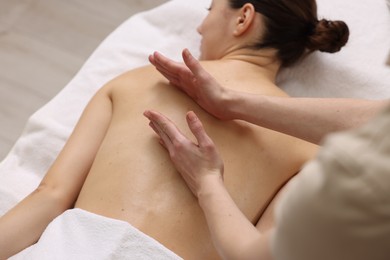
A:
{"x":78,"y":234}
{"x":359,"y":70}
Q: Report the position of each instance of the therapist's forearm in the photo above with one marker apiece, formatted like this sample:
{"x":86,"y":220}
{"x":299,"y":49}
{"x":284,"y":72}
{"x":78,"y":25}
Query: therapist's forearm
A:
{"x":307,"y":118}
{"x":234,"y":236}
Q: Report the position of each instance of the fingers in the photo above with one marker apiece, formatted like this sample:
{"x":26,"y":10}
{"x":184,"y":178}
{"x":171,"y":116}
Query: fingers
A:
{"x":197,"y":129}
{"x":162,"y":64}
{"x":175,"y":72}
{"x":169,"y":133}
{"x":193,"y":64}
{"x":156,"y":130}
{"x":164,"y":140}
{"x":165,"y":128}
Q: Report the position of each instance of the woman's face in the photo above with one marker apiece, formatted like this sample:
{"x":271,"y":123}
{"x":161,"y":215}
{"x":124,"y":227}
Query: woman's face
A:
{"x":215,"y":30}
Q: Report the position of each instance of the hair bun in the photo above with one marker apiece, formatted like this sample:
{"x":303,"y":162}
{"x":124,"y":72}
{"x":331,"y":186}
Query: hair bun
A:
{"x":328,"y":36}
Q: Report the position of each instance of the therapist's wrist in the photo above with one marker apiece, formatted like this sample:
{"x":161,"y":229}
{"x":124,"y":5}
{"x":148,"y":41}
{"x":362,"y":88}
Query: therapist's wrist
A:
{"x":222,"y":104}
{"x":209,"y":187}
{"x":247,"y":106}
{"x":231,"y":101}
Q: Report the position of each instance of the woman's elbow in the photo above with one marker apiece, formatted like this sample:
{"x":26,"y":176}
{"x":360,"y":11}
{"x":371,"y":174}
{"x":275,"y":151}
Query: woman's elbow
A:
{"x":55,"y":197}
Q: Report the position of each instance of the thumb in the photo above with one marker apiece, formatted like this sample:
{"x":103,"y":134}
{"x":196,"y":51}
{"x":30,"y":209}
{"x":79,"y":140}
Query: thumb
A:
{"x":197,"y":129}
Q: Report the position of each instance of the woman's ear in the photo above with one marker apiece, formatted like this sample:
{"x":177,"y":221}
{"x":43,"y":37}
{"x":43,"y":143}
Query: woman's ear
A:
{"x":245,"y":19}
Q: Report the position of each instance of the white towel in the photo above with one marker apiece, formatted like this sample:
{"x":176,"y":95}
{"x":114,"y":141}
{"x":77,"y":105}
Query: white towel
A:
{"x":359,"y":70}
{"x":78,"y":234}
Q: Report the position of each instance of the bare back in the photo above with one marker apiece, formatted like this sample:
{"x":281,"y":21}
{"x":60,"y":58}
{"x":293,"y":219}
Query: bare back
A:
{"x":132,"y":178}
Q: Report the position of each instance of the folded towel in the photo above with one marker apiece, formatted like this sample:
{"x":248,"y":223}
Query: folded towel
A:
{"x":78,"y":234}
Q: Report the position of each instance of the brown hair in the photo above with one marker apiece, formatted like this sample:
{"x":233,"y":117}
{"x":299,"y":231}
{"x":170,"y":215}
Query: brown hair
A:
{"x":293,"y":28}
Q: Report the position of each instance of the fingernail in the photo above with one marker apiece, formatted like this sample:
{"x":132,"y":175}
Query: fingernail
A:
{"x":192,"y":116}
{"x":186,"y":52}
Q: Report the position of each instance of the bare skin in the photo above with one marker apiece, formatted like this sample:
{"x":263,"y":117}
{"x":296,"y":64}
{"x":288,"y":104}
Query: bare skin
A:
{"x":310,"y":119}
{"x":147,"y":192}
{"x":112,"y":164}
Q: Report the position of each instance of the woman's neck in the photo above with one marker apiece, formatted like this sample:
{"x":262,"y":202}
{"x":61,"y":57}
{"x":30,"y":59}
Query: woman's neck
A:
{"x":263,"y":61}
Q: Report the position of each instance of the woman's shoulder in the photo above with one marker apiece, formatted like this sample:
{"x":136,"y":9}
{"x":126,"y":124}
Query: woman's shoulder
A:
{"x":133,"y":79}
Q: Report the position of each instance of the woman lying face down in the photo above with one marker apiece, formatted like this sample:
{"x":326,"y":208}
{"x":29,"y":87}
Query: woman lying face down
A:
{"x":112,"y":166}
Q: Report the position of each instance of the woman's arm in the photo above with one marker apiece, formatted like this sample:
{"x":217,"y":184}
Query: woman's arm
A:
{"x":234,"y":236}
{"x":23,"y":225}
{"x":306,"y":118}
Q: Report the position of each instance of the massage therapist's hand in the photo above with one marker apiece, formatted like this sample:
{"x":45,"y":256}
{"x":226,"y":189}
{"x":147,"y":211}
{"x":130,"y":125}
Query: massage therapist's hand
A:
{"x":195,"y":81}
{"x":197,"y":163}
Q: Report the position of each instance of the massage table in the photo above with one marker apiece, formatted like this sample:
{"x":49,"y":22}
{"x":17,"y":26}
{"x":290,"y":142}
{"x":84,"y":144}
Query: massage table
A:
{"x":358,"y":71}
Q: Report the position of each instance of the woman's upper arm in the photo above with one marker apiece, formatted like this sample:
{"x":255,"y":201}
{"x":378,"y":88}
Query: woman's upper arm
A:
{"x":68,"y":172}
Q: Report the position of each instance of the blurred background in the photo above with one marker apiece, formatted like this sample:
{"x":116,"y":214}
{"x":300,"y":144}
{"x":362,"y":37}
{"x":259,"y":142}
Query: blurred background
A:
{"x":43,"y":43}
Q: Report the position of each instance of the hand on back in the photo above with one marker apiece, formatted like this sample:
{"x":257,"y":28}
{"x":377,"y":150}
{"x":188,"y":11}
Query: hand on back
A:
{"x":195,"y":81}
{"x":198,"y":163}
